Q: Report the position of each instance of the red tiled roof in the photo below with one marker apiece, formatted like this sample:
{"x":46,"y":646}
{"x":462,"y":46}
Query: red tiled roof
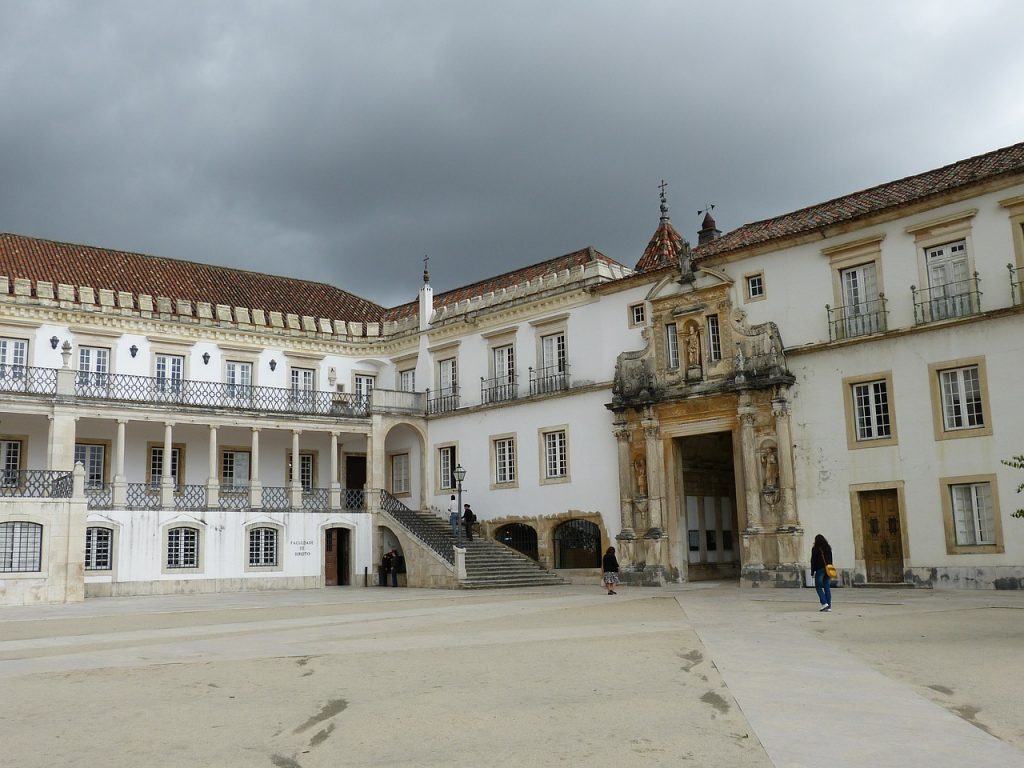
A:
{"x":506,"y":280}
{"x":664,"y":248}
{"x":868,"y":202}
{"x":78,"y":265}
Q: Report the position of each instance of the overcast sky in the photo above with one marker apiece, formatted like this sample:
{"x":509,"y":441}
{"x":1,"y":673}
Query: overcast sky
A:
{"x":342,"y":141}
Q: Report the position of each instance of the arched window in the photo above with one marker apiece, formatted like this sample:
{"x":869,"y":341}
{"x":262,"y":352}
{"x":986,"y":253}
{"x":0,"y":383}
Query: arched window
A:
{"x":577,"y":545}
{"x":520,"y":537}
{"x":97,"y":548}
{"x":262,"y":547}
{"x":21,"y":547}
{"x":182,"y":548}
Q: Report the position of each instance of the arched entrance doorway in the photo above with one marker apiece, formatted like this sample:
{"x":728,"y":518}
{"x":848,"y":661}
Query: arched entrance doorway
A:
{"x":577,"y":545}
{"x":337,"y":557}
{"x":520,"y":537}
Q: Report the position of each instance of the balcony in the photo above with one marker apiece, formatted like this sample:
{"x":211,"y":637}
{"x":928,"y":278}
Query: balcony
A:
{"x":147,"y":496}
{"x":1016,"y":285}
{"x":499,"y":389}
{"x":946,"y":302}
{"x":35,"y":483}
{"x":442,"y":400}
{"x":554,"y":378}
{"x":853,"y":320}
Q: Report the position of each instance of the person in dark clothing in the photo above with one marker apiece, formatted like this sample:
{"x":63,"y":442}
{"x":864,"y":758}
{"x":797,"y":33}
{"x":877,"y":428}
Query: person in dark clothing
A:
{"x":468,"y":518}
{"x":385,"y":567}
{"x":821,"y":556}
{"x":610,"y":569}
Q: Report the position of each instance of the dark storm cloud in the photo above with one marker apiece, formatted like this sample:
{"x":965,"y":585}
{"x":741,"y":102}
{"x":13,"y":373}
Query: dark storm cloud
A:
{"x":342,"y":141}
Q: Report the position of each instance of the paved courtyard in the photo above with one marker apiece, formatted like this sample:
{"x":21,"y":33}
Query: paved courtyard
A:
{"x":697,"y":675}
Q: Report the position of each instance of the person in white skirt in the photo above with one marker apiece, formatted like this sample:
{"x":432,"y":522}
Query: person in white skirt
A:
{"x":610,"y":568}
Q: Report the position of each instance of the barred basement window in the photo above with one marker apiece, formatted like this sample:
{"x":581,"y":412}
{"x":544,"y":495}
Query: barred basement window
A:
{"x":182,"y":548}
{"x":97,"y":549}
{"x":21,"y":547}
{"x":262,"y":547}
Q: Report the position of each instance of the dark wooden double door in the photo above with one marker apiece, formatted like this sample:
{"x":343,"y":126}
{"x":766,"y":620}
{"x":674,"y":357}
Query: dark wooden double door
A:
{"x":337,"y":557}
{"x":883,"y":536}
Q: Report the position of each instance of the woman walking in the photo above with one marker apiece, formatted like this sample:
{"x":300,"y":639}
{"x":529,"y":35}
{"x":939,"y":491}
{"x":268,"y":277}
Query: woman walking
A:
{"x":610,"y":567}
{"x":821,"y":558}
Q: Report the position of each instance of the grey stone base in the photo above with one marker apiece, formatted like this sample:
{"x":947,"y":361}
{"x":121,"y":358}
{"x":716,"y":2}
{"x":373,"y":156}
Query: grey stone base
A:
{"x":199,"y":586}
{"x":978,"y":577}
{"x":781,"y":576}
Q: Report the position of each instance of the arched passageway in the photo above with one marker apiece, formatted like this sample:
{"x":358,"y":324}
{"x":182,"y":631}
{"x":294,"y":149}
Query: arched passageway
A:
{"x":577,"y":545}
{"x":519,"y":536}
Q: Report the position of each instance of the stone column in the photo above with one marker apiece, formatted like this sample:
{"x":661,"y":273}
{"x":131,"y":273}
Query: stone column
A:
{"x":62,"y":439}
{"x":334,"y":485}
{"x":625,"y":481}
{"x":655,"y":475}
{"x":750,"y":485}
{"x":166,"y":479}
{"x":120,"y":479}
{"x":213,"y":476}
{"x":255,"y":486}
{"x":787,"y":483}
{"x":295,"y":489}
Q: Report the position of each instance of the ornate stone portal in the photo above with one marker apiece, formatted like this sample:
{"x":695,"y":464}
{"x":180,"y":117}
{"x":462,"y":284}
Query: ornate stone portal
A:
{"x":728,"y":378}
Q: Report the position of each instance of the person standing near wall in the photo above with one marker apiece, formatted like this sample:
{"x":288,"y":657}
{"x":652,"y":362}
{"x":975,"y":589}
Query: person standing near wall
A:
{"x":610,"y":569}
{"x":453,"y":516}
{"x":468,"y":517}
{"x":821,"y":559}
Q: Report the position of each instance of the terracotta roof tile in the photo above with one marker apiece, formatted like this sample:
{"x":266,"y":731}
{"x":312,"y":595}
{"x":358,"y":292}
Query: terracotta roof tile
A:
{"x":868,"y":202}
{"x":664,"y":248}
{"x":136,"y":273}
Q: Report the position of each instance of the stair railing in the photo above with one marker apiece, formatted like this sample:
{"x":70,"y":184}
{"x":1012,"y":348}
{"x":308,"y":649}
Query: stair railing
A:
{"x":435,"y":540}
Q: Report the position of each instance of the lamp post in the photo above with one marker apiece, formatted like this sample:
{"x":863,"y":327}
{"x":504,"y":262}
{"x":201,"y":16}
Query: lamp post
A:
{"x":460,"y":475}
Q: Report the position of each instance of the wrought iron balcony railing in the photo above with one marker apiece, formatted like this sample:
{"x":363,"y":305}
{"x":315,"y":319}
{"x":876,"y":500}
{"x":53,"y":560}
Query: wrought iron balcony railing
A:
{"x":275,"y":498}
{"x":1016,"y":284}
{"x":553,"y":378}
{"x":854,"y":320}
{"x":143,"y":496}
{"x":442,"y":400}
{"x":215,"y":394}
{"x":945,"y":302}
{"x":499,"y":389}
{"x":316,"y":499}
{"x":100,"y":496}
{"x":35,"y":483}
{"x":26,"y":378}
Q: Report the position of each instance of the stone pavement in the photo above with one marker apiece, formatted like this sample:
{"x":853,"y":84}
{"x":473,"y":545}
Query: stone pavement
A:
{"x":703,"y":674}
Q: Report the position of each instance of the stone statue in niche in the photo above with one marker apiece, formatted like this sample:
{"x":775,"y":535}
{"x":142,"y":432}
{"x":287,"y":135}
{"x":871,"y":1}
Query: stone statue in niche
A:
{"x":770,"y":467}
{"x":640,"y":475}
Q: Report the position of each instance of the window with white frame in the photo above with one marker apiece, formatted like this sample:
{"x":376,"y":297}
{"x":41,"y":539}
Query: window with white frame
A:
{"x":156,"y":466}
{"x":98,"y":548}
{"x":961,"y":398}
{"x":302,"y":384}
{"x":504,"y":460}
{"x":973,"y":517}
{"x":407,"y":380}
{"x":553,"y":357}
{"x":446,"y":467}
{"x":556,"y":455}
{"x":93,"y":365}
{"x":10,"y":463}
{"x":182,"y":547}
{"x":862,"y":314}
{"x":363,"y":387}
{"x":13,"y":358}
{"x":262,"y":547}
{"x":400,"y":473}
{"x":871,"y":410}
{"x":21,"y":547}
{"x":671,"y":346}
{"x":238,"y":377}
{"x":637,"y":314}
{"x":714,"y":333}
{"x":234,"y":472}
{"x":503,"y":361}
{"x":306,"y":471}
{"x":170,"y":369}
{"x":448,"y":375}
{"x":93,"y":458}
{"x":948,"y":280}
{"x":755,"y":285}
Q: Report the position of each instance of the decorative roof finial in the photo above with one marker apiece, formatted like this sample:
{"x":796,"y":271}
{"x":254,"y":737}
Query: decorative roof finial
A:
{"x":664,"y":203}
{"x":426,"y":272}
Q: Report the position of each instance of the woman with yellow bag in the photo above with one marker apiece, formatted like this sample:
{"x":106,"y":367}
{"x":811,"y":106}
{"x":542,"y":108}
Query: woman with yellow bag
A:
{"x":823,"y":571}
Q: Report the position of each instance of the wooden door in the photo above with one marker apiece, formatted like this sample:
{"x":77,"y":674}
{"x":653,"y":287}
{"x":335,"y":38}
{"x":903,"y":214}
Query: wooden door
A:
{"x":883,"y":538}
{"x":330,"y":557}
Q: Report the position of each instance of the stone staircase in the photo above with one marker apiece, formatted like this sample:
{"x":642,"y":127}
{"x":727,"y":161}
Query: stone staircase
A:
{"x":489,"y":564}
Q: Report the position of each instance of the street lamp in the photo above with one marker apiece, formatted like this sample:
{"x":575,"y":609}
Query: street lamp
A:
{"x":460,"y":475}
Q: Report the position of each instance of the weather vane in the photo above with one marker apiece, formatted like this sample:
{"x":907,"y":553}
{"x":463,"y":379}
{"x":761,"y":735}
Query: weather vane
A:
{"x":708,"y":208}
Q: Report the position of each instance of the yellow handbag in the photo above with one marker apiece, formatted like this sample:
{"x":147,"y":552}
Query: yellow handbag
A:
{"x":830,"y":571}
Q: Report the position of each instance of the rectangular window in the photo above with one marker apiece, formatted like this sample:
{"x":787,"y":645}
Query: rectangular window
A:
{"x":446,"y":466}
{"x":21,"y":547}
{"x":948,"y":281}
{"x":305,"y":470}
{"x":671,"y":346}
{"x":972,"y":514}
{"x":871,"y":410}
{"x":234,"y":470}
{"x":10,"y":463}
{"x":93,"y":458}
{"x":400,"y":473}
{"x":553,"y":359}
{"x":714,"y":338}
{"x":93,"y":365}
{"x":556,"y":455}
{"x":238,"y":377}
{"x":505,"y":460}
{"x":961,"y":398}
{"x":97,"y":548}
{"x":13,"y":357}
{"x":755,"y":286}
{"x":169,"y":372}
{"x":182,"y":548}
{"x":363,"y":387}
{"x":262,"y":547}
{"x":156,"y":466}
{"x":862,"y":313}
{"x":637,"y":315}
{"x":407,"y":380}
{"x":504,"y":362}
{"x":448,"y":375}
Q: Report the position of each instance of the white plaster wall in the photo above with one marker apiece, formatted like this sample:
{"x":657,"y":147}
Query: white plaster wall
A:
{"x":825,"y":468}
